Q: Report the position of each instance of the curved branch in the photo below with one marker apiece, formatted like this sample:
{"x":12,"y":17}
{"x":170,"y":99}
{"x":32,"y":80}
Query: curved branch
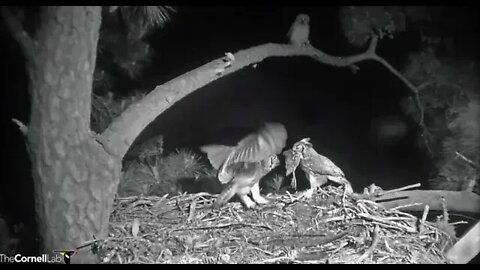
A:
{"x":410,"y":86}
{"x":19,"y":34}
{"x":121,"y":133}
{"x":459,"y":201}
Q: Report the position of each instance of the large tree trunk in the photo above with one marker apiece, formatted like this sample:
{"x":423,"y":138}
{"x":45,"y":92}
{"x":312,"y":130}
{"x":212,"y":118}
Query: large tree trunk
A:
{"x":75,"y":179}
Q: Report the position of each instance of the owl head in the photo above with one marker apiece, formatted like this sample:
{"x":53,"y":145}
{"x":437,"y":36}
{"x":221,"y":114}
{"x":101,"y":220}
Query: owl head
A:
{"x":300,"y":148}
{"x":303,"y":19}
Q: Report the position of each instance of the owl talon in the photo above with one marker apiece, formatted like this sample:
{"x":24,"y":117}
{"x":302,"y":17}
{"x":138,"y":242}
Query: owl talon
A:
{"x":307,"y":195}
{"x":261,"y":200}
{"x":256,"y":195}
{"x":348,"y":189}
{"x":247,"y":201}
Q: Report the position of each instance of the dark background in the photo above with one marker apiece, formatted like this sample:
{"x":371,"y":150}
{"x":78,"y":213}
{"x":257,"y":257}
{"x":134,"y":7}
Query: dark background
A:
{"x":333,"y":106}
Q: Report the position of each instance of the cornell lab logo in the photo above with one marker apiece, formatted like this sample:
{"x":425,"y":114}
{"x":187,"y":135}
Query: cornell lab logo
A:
{"x":66,"y":254}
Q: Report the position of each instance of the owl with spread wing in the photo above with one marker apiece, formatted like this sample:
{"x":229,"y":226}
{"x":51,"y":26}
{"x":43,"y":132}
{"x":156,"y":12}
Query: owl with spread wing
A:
{"x":318,"y":169}
{"x":242,"y":166}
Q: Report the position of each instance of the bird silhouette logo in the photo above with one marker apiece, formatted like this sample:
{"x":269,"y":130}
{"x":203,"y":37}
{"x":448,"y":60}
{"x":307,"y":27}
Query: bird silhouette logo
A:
{"x":66,"y":254}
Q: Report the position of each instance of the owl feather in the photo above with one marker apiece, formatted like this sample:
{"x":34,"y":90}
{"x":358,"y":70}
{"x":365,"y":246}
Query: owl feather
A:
{"x":256,"y":147}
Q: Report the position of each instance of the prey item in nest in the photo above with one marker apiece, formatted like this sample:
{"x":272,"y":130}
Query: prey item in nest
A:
{"x":318,"y":169}
{"x":291,"y":164}
{"x":242,"y":166}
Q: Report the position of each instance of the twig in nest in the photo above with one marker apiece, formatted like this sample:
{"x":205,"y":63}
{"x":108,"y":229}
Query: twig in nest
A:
{"x":386,"y":222}
{"x":399,"y":189}
{"x":233,"y":212}
{"x":405,"y":206}
{"x":290,"y":256}
{"x":224,"y":226}
{"x":424,"y":217}
{"x":343,"y":197}
{"x":445,"y":217}
{"x":370,"y":250}
{"x":191,"y":213}
{"x":292,"y":200}
{"x":264,"y":251}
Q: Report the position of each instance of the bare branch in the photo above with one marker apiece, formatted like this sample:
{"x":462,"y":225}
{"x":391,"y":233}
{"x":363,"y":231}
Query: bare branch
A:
{"x":372,"y":47}
{"x":21,"y":36}
{"x":459,"y":201}
{"x":410,"y":86}
{"x":467,"y":160}
{"x":424,"y":217}
{"x":118,"y":137}
{"x":400,"y":189}
{"x":373,"y":245}
{"x":21,"y":126}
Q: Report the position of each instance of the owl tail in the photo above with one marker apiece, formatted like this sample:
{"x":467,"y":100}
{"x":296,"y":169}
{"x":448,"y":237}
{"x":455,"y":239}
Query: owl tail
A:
{"x":216,"y":154}
{"x":225,"y":196}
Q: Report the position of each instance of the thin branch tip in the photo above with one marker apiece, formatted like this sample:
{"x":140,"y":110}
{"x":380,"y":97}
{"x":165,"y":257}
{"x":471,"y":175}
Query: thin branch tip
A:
{"x":16,"y":29}
{"x":21,"y":126}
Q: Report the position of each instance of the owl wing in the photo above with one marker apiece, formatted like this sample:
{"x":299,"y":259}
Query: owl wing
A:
{"x":217,"y":154}
{"x":289,"y":33}
{"x":258,"y":146}
{"x":269,"y":140}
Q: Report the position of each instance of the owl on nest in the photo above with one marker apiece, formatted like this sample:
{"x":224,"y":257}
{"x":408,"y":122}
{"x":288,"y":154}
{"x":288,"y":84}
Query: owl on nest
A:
{"x":299,"y":31}
{"x":242,"y":166}
{"x":318,"y":169}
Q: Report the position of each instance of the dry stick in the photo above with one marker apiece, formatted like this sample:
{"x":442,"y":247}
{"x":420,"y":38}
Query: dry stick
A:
{"x":292,"y":200}
{"x":445,"y":211}
{"x":291,"y":256}
{"x":424,"y":217}
{"x":400,"y":189}
{"x":370,"y":250}
{"x":192,"y":210}
{"x":21,"y":126}
{"x":386,"y":222}
{"x":405,"y":206}
{"x":470,"y":162}
{"x":224,"y":226}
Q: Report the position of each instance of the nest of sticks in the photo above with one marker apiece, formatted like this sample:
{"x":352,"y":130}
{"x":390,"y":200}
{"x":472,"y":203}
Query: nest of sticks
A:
{"x":331,"y":227}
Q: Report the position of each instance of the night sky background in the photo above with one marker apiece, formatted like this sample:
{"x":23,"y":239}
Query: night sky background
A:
{"x":333,"y":106}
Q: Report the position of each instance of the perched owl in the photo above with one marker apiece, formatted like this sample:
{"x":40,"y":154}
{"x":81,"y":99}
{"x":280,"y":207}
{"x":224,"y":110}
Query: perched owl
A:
{"x":299,"y":31}
{"x":318,"y":169}
{"x":242,"y":166}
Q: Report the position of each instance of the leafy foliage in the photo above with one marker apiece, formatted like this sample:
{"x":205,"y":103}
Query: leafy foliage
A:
{"x":154,"y":174}
{"x":451,"y":104}
{"x":360,"y":23}
{"x":123,"y":54}
{"x":105,"y":108}
{"x":142,"y":19}
{"x":181,"y":164}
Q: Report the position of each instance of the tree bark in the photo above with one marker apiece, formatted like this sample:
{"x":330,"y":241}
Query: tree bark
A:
{"x":75,"y":180}
{"x":460,"y":201}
